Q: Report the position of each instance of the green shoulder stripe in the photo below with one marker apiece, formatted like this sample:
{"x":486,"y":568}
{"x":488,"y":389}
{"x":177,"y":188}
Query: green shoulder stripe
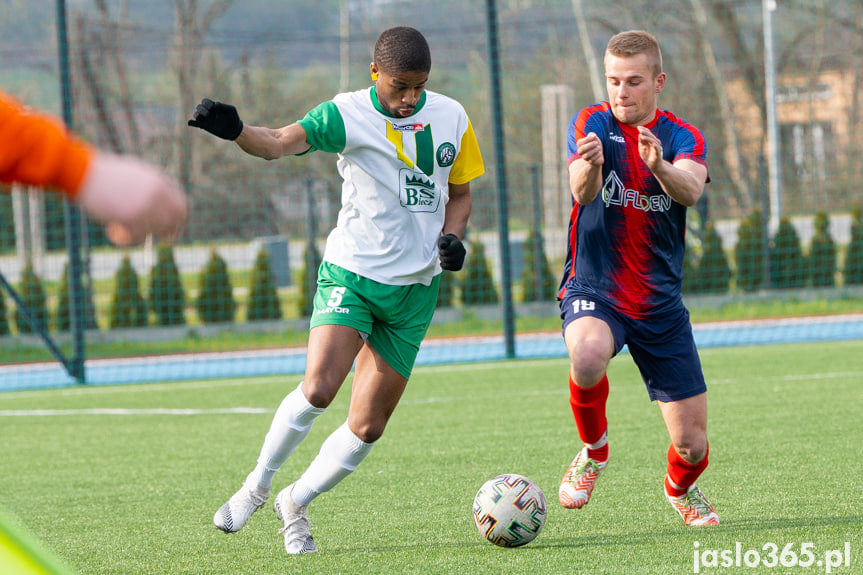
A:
{"x":325,"y":128}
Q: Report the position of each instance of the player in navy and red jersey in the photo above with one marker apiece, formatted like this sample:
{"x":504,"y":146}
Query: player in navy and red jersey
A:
{"x":628,"y":245}
{"x":633,"y":171}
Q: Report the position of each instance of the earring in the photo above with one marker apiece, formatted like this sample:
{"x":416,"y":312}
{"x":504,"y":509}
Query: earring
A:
{"x":374,"y":76}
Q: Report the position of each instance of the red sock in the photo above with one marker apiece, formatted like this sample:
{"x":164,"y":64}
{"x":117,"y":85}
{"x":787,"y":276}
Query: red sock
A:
{"x":588,"y":408}
{"x":680,"y":472}
{"x":598,"y":454}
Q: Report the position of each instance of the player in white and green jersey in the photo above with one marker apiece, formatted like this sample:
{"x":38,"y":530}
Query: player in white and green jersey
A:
{"x":406,"y":156}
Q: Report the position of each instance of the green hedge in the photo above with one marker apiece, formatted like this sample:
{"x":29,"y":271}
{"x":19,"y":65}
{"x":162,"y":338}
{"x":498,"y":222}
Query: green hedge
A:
{"x":853,"y":270}
{"x":263,"y":296}
{"x":749,"y":252}
{"x":63,"y":313}
{"x":4,"y":322}
{"x":787,"y":263}
{"x":128,"y":308}
{"x":711,"y":273}
{"x":32,"y":294}
{"x":167,"y":296}
{"x":822,"y":254}
{"x":215,"y":303}
{"x":537,"y":281}
{"x":446,"y":291}
{"x":477,"y":286}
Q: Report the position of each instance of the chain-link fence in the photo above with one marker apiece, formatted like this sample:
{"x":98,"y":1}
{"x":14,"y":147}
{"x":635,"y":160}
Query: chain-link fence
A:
{"x":780,"y":219}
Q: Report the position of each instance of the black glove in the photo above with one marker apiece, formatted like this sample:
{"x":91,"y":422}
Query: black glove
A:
{"x":219,"y":119}
{"x":451,"y":252}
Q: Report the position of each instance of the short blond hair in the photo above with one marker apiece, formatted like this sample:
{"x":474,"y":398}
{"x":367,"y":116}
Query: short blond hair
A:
{"x":634,"y":42}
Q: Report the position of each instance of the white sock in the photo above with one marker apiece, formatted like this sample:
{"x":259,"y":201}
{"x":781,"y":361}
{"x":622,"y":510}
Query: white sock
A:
{"x":291,"y":424}
{"x":340,"y":454}
{"x":600,"y":442}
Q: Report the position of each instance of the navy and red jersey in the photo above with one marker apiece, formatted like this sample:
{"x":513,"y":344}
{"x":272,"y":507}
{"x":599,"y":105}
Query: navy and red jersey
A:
{"x":626,"y":246}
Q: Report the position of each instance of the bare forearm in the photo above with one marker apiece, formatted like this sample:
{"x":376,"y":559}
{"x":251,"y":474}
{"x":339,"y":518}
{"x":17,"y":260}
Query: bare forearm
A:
{"x":585,"y":181}
{"x":271,"y":144}
{"x":458,"y":210}
{"x":683,"y":184}
{"x":260,"y":142}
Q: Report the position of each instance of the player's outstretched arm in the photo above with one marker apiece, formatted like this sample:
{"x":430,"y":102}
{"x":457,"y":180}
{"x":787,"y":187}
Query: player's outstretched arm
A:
{"x":133,"y":198}
{"x":223,"y":120}
{"x":273,"y":144}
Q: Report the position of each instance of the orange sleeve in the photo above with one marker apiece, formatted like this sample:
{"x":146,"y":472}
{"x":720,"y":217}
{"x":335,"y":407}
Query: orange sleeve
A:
{"x":37,"y":149}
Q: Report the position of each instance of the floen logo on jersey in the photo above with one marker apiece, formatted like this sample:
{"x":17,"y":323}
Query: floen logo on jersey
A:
{"x":614,"y":193}
{"x":413,"y":127}
{"x":417,"y":193}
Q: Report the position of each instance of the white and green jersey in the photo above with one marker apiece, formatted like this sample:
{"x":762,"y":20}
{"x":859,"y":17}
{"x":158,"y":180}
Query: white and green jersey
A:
{"x":396,"y":173}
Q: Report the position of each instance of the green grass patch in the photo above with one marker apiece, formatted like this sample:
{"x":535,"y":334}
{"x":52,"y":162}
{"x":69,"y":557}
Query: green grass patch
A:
{"x":136,"y":493}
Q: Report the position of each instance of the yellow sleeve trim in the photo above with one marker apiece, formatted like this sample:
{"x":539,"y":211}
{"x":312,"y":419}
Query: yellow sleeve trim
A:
{"x":468,"y":165}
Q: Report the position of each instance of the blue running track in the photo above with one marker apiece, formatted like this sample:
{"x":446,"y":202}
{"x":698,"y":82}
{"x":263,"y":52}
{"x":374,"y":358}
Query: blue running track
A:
{"x":432,"y":352}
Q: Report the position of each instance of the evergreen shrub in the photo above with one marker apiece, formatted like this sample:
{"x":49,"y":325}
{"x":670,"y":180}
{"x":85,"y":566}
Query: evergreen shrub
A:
{"x":787,"y":262}
{"x":853,"y":269}
{"x":822,"y":254}
{"x":32,"y":295}
{"x":128,"y":307}
{"x":63,"y":313}
{"x":711,"y":274}
{"x":749,"y":252}
{"x":167,"y":296}
{"x":215,"y":303}
{"x":537,"y":281}
{"x":477,"y":285}
{"x":263,"y":297}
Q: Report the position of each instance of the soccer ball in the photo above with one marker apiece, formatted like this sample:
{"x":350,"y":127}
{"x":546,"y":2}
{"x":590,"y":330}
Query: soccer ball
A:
{"x":509,"y":510}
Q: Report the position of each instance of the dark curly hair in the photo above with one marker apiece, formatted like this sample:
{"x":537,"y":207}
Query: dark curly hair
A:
{"x":402,"y":49}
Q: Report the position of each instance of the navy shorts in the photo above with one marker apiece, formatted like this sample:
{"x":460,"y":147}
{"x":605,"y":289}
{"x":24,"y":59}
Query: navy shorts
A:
{"x":662,"y":346}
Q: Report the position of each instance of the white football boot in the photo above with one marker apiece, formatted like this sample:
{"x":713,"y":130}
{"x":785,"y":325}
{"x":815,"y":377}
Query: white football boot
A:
{"x":232,"y":516}
{"x":298,"y":537}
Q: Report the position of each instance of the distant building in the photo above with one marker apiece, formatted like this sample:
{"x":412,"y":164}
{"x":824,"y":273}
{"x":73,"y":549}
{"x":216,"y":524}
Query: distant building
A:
{"x":813,"y":113}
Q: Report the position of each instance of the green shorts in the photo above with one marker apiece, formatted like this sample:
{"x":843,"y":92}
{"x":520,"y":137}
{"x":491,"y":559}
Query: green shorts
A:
{"x":395,"y":318}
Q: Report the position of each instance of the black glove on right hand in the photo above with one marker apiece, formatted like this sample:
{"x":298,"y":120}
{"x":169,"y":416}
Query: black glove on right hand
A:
{"x":451,"y":252}
{"x":219,"y":119}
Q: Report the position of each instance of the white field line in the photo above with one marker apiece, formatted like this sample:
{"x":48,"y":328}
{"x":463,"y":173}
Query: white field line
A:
{"x":121,"y":411}
{"x":788,"y":378}
{"x":87,"y":390}
{"x":291,"y":382}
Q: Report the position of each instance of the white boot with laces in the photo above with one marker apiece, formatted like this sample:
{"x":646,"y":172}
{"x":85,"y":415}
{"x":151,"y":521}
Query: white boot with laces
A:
{"x":232,"y":516}
{"x":297,"y":529}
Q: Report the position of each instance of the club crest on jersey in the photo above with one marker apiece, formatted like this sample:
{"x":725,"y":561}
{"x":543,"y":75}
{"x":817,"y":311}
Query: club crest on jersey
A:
{"x":412,"y":127}
{"x":445,"y":154}
{"x":614,"y":193}
{"x":417,"y":193}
